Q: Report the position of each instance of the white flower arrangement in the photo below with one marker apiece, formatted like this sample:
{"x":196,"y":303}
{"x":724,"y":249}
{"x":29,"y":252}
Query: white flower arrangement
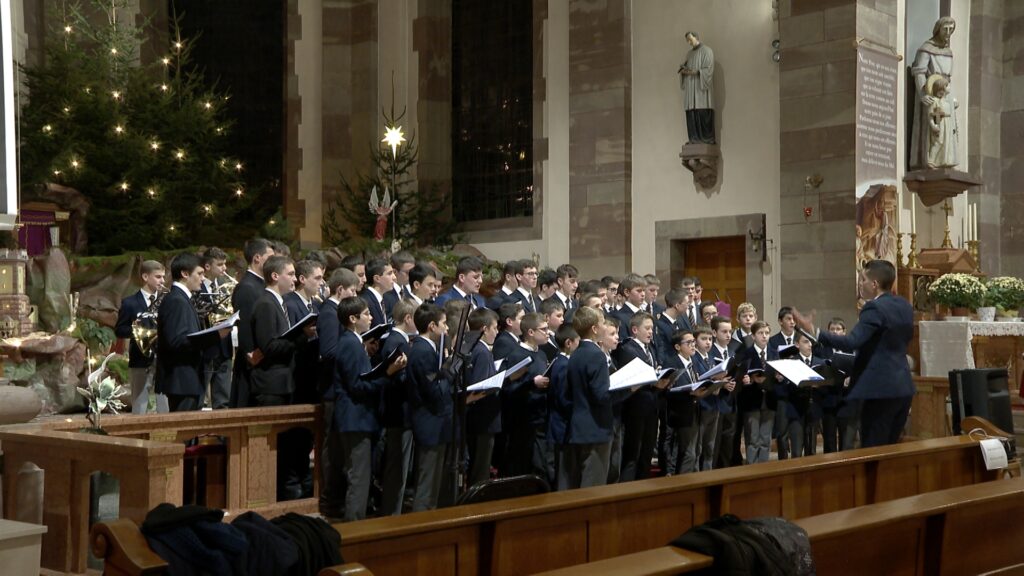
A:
{"x":958,"y":290}
{"x":1005,"y":293}
{"x":102,"y":394}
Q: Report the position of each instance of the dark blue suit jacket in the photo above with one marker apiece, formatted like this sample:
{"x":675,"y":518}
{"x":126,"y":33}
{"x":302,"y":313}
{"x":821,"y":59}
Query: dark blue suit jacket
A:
{"x":559,"y":401}
{"x":750,"y":396}
{"x":179,"y":367}
{"x":645,"y":400}
{"x":328,"y":328}
{"x":664,"y":328}
{"x":505,"y":343}
{"x":624,"y":315}
{"x":880,"y":338}
{"x":522,"y":402}
{"x":726,"y":399}
{"x":499,"y":298}
{"x":430,"y":395}
{"x":484,"y":415}
{"x":357,"y":404}
{"x":707,"y":403}
{"x":131,"y":307}
{"x":587,"y":376}
{"x":682,"y":405}
{"x":376,"y":308}
{"x":527,"y":307}
{"x":451,"y":294}
{"x":395,"y":407}
{"x":307,"y":355}
{"x":391,"y":297}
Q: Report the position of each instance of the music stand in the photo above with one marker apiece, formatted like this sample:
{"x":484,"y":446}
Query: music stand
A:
{"x":457,"y":365}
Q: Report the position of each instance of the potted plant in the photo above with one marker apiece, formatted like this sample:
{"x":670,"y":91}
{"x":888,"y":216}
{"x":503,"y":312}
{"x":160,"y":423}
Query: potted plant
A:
{"x":960,"y":292}
{"x":1006,"y":294}
{"x":101,"y":393}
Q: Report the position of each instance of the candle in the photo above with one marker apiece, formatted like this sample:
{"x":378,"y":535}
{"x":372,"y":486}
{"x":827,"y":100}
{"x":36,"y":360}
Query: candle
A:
{"x":913,"y":214}
{"x":974,"y":223}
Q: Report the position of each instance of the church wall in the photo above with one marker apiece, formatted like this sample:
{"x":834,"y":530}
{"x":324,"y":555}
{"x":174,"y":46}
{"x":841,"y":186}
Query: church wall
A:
{"x":746,"y":87}
{"x":1011,"y":217}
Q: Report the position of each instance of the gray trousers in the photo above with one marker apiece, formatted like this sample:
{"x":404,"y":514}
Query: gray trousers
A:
{"x":563,"y":455}
{"x":332,"y":483}
{"x":481,"y":448}
{"x":688,"y":438}
{"x":142,"y":380}
{"x":430,"y":471}
{"x":397,"y":461}
{"x":218,"y":378}
{"x":757,"y":434}
{"x":708,"y":438}
{"x":357,"y":450}
{"x":615,"y":453}
{"x":588,"y":464}
{"x":781,"y":431}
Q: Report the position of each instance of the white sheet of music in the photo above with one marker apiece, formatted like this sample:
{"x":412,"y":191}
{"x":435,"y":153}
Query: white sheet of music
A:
{"x":635,"y":373}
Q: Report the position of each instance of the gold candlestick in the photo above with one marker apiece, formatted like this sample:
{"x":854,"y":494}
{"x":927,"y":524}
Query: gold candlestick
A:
{"x":912,"y":258}
{"x":948,"y":209}
{"x":899,"y":250}
{"x":972,"y":249}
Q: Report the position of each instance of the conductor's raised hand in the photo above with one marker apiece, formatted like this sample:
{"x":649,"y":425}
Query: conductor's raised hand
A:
{"x":804,"y":321}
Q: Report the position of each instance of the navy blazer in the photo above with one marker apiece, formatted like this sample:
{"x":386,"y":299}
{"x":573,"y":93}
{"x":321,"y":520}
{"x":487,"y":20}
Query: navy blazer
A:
{"x":484,"y":415}
{"x":570,"y":307}
{"x":751,"y":395}
{"x":880,"y":338}
{"x":243,"y":300}
{"x":522,"y":402}
{"x":179,"y":365}
{"x":273,"y":375}
{"x":328,"y":328}
{"x":588,"y":380}
{"x":376,"y":308}
{"x":526,"y":302}
{"x":499,"y":298}
{"x":708,"y":403}
{"x":393,"y":296}
{"x":307,"y":355}
{"x":130,"y":309}
{"x":395,"y":405}
{"x":664,"y":328}
{"x":645,"y":400}
{"x":726,"y":399}
{"x":451,"y":294}
{"x":682,"y":405}
{"x":777,"y":340}
{"x":624,"y":315}
{"x":505,"y":343}
{"x":357,"y":399}
{"x":559,"y":401}
{"x":430,"y":395}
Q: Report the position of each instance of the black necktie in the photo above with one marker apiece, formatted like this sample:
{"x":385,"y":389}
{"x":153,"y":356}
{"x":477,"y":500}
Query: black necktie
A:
{"x":152,"y":299}
{"x":789,"y":341}
{"x":309,"y":306}
{"x":763,"y":359}
{"x":692,"y":373}
{"x":647,"y":351}
{"x":807,"y":361}
{"x":472,"y":305}
{"x":690,"y":316}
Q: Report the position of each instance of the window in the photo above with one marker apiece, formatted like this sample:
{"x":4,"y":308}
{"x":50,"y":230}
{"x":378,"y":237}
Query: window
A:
{"x":492,"y":109}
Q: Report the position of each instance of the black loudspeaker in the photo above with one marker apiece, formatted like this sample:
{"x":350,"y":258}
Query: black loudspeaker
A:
{"x":981,"y":392}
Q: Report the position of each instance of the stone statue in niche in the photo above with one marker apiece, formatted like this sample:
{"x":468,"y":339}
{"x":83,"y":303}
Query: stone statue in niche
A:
{"x":942,"y":124}
{"x":696,"y":75}
{"x":934,"y":58}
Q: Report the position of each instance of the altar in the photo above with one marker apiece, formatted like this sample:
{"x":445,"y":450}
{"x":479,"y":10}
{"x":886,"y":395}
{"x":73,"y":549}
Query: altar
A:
{"x":949,"y":346}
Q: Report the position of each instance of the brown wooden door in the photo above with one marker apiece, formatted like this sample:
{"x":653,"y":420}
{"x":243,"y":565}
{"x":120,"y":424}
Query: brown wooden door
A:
{"x":720,"y":263}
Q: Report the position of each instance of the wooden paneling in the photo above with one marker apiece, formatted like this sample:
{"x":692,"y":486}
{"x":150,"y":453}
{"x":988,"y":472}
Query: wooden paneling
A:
{"x":896,"y":546}
{"x":441,"y":552}
{"x":721,"y":265}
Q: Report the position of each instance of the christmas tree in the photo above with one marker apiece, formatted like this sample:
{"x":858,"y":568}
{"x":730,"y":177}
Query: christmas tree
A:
{"x":420,"y":218}
{"x":144,"y":142}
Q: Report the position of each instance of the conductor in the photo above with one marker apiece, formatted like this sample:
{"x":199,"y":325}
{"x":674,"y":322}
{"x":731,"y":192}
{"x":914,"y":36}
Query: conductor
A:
{"x":881,"y":374}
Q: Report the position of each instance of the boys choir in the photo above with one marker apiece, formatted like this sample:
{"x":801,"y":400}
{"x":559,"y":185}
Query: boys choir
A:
{"x":388,"y":394}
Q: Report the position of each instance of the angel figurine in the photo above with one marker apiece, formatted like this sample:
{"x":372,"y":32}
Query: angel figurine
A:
{"x":382,"y":210}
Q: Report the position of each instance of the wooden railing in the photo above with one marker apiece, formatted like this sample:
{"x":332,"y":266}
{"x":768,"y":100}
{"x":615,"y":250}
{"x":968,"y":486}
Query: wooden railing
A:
{"x":146,"y":454}
{"x":966,"y":530}
{"x":544,"y":532}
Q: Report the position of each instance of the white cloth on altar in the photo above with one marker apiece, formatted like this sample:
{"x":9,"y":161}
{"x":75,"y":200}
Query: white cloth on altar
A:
{"x":947,"y":346}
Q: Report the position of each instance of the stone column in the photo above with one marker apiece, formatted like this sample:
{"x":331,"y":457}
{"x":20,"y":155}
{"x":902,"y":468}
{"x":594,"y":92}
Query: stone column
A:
{"x":817,"y":97}
{"x":600,"y":164}
{"x":1011,"y":208}
{"x":985,"y":85}
{"x":432,"y":52}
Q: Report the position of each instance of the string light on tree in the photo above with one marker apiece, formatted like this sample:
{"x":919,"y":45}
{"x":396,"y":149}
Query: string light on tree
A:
{"x":154,"y":145}
{"x":124,"y":186}
{"x":166,"y":61}
{"x":179,"y":154}
{"x":164,"y":87}
{"x":75,"y":163}
{"x":239,"y":192}
{"x":119,"y":130}
{"x":47,"y":128}
{"x":238,"y":166}
{"x":151,"y":192}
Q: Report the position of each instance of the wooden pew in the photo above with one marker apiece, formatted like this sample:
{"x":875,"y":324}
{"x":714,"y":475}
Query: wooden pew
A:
{"x":145,"y":453}
{"x":965,"y":530}
{"x":545,"y":532}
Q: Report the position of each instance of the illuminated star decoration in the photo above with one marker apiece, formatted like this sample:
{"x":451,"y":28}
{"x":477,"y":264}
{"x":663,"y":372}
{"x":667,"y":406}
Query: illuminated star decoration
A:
{"x":393,"y":137}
